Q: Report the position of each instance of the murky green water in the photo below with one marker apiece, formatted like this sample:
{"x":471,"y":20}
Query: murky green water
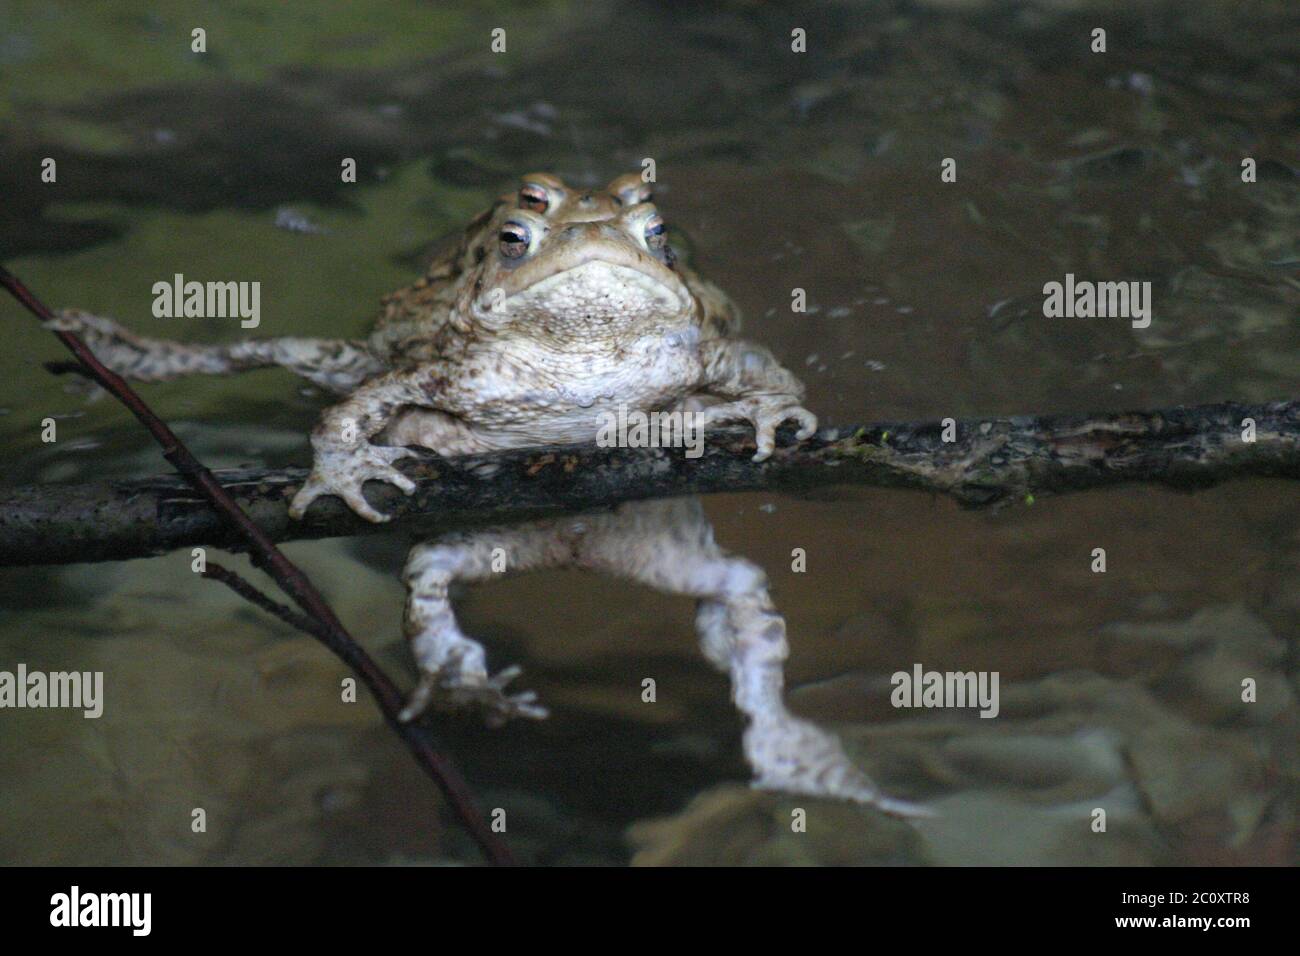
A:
{"x":818,"y":171}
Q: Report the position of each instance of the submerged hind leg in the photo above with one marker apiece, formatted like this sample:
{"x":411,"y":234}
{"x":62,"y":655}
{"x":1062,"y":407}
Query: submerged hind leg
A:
{"x":453,"y":667}
{"x":669,"y":545}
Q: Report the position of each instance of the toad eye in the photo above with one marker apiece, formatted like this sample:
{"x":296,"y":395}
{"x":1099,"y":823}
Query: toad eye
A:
{"x":656,"y":233}
{"x":514,"y":240}
{"x":534,"y":197}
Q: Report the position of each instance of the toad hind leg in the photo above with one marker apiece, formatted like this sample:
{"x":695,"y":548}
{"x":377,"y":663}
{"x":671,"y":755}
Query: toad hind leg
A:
{"x":453,"y":667}
{"x":670,"y":546}
{"x":333,"y":364}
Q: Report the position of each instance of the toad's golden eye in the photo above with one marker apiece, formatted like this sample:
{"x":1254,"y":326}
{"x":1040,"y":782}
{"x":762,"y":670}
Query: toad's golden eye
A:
{"x":656,"y":233}
{"x":514,"y":240}
{"x":534,"y":197}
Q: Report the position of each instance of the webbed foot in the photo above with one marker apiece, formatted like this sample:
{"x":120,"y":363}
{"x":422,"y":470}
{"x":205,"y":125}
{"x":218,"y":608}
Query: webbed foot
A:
{"x":795,"y":756}
{"x":474,"y":689}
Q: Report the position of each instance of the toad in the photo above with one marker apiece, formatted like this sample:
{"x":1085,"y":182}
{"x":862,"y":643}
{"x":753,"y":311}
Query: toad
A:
{"x":557,"y":307}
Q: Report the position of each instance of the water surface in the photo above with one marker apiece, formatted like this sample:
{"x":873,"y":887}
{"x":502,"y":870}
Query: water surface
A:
{"x":777,"y":171}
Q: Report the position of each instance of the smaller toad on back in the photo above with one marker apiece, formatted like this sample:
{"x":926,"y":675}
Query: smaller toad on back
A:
{"x":557,"y":306}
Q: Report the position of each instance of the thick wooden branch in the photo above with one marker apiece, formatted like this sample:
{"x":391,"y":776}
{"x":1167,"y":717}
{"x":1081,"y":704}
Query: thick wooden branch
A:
{"x":992,"y":461}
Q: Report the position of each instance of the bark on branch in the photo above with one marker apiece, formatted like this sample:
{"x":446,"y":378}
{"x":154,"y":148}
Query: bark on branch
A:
{"x":992,"y":461}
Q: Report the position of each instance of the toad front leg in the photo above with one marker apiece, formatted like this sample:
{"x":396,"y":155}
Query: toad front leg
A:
{"x":756,"y":388}
{"x":345,"y":458}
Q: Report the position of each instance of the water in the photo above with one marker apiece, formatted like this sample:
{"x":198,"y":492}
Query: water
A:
{"x":817,"y":171}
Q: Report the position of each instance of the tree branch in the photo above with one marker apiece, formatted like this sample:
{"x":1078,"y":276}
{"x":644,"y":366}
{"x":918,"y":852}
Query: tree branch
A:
{"x":320,"y":621}
{"x":992,"y":461}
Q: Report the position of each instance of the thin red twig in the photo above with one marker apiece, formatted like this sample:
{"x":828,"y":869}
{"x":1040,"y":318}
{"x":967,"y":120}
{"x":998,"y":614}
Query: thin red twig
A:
{"x":329,"y":630}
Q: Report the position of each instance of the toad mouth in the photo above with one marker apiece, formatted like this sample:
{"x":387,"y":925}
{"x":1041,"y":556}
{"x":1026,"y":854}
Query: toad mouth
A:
{"x":601,"y":279}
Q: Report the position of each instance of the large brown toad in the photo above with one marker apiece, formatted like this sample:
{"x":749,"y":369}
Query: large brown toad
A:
{"x":558,"y":307}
